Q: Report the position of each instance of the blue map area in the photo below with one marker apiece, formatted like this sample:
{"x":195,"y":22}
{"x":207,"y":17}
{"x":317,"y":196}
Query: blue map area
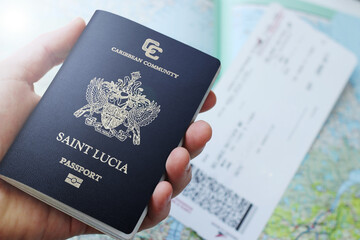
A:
{"x":323,"y":200}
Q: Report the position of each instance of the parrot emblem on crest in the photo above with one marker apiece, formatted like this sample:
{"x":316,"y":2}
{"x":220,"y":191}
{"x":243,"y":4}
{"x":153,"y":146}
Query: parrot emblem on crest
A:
{"x":119,"y":104}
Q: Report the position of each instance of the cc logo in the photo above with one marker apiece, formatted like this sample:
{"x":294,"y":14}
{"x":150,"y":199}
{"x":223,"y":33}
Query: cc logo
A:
{"x":151,"y":47}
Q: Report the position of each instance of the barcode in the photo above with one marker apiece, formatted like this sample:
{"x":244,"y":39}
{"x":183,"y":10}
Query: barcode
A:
{"x":218,"y":200}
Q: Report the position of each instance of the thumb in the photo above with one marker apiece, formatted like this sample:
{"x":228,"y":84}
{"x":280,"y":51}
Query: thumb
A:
{"x":34,"y":60}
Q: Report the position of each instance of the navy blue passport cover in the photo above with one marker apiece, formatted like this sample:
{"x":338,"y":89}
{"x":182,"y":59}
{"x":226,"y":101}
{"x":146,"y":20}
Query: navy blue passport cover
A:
{"x":100,"y":136}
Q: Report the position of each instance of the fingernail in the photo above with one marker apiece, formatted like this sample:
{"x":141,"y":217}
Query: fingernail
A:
{"x":188,"y":167}
{"x":75,"y":20}
{"x":169,"y":199}
{"x":195,"y":154}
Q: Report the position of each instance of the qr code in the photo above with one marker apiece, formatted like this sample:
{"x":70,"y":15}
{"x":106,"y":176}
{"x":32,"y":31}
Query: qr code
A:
{"x":218,"y":200}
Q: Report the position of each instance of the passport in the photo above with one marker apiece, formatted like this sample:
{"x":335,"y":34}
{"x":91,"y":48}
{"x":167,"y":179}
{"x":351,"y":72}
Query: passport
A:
{"x":96,"y":145}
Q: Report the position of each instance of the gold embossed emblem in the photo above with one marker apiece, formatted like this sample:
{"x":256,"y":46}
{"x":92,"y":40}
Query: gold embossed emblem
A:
{"x":150,"y":47}
{"x":121,"y":106}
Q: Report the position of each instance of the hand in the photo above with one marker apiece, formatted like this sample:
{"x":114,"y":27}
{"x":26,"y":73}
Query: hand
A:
{"x":24,"y":217}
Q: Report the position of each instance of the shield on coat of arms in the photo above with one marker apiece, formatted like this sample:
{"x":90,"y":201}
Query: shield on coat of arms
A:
{"x":118,"y":103}
{"x":113,"y":116}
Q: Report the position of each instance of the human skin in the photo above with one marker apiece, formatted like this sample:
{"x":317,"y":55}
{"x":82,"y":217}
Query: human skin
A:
{"x":24,"y":217}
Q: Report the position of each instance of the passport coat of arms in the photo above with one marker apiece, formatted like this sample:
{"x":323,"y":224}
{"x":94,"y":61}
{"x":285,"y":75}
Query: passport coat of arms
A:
{"x":121,"y":106}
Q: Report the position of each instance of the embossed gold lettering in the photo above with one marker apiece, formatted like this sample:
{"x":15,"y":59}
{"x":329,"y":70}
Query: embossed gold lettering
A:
{"x":125,"y":54}
{"x":66,"y":140}
{"x":96,"y":152}
{"x":149,"y":49}
{"x":112,"y":165}
{"x":72,"y":142}
{"x":118,"y":165}
{"x":60,"y":136}
{"x":102,"y":156}
{"x":93,"y":152}
{"x":124,"y":169}
{"x":76,"y":167}
{"x":160,"y":69}
{"x":79,"y":145}
{"x":63,"y":160}
{"x":88,"y":147}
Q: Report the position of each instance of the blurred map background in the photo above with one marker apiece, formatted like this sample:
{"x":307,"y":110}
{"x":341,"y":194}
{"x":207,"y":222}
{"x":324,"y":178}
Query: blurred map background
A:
{"x":323,"y":199}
